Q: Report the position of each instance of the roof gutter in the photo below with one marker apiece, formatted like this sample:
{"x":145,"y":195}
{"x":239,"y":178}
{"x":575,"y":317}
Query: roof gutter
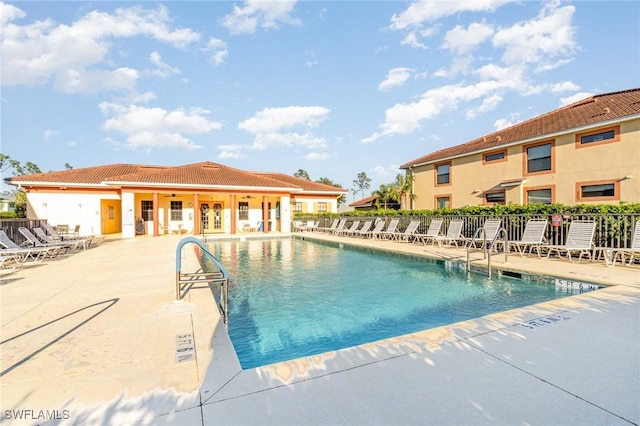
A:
{"x":524,"y":141}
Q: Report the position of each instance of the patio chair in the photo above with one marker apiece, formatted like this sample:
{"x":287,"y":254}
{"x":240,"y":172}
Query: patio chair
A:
{"x":614,"y":253}
{"x":10,"y":261}
{"x":579,"y":239}
{"x":366,"y":226}
{"x":391,"y":229}
{"x":432,"y":232}
{"x":298,"y":226}
{"x":312,"y":225}
{"x":354,"y":225}
{"x":486,"y":235}
{"x":453,"y":235}
{"x":407,"y":234}
{"x":66,"y":235}
{"x":73,"y":244}
{"x":10,"y":248}
{"x":340,"y":227}
{"x":33,"y":241}
{"x":375,"y":232}
{"x":532,"y":237}
{"x":330,"y":227}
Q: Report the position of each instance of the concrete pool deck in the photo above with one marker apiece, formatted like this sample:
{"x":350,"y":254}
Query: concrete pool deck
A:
{"x":95,"y":338}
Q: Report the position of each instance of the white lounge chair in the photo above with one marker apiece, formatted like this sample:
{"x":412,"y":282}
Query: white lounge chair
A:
{"x":366,"y":226}
{"x":330,"y":227}
{"x":579,"y":239}
{"x":407,"y":234}
{"x":453,"y":235}
{"x":298,"y":226}
{"x":33,"y":241}
{"x":486,"y":235}
{"x":613,"y":254}
{"x":375,"y":232}
{"x":391,"y":229}
{"x":36,"y":254}
{"x":354,"y":225}
{"x":532,"y":237}
{"x":46,"y":239}
{"x":340,"y":227}
{"x":432,"y":232}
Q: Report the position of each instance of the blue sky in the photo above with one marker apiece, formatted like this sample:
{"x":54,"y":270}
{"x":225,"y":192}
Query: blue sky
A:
{"x":332,"y":87}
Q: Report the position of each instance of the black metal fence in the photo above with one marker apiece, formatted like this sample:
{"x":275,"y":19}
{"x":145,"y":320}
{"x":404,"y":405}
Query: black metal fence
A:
{"x":612,"y":230}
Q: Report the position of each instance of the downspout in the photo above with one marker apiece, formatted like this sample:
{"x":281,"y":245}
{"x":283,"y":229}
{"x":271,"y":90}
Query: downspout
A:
{"x":411,"y":190}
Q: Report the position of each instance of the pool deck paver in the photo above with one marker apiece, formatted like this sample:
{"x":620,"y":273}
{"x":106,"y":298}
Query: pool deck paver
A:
{"x":94,"y":333}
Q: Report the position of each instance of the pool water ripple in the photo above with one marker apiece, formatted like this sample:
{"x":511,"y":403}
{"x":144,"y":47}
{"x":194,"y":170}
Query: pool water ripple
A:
{"x":291,"y":298}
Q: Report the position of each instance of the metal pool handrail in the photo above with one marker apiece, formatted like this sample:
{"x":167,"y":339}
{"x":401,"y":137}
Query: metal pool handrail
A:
{"x":221,"y":277}
{"x":486,"y":254}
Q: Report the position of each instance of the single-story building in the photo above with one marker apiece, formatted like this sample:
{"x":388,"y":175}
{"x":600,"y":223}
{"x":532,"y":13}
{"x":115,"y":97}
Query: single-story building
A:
{"x":195,"y":198}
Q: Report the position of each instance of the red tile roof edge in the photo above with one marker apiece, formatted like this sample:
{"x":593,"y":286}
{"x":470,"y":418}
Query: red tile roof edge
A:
{"x":585,"y":112}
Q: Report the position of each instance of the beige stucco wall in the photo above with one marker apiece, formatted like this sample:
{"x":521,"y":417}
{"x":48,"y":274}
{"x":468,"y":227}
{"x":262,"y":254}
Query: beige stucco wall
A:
{"x":470,"y":178}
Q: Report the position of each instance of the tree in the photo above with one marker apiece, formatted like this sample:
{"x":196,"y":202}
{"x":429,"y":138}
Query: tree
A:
{"x":342,"y":199}
{"x":302,"y":174}
{"x":385,"y":194}
{"x":405,"y":186}
{"x":28,"y":168}
{"x":362,"y":183}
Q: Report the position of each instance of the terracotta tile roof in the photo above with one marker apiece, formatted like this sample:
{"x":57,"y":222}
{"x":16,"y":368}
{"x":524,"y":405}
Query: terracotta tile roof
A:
{"x":587,"y":112}
{"x":364,"y":202}
{"x":304,"y":184}
{"x":88,"y":175}
{"x":199,"y":174}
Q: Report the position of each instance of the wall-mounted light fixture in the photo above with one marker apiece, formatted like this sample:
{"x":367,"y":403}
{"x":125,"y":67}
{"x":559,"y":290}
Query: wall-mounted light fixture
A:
{"x":476,"y":191}
{"x":626,"y":177}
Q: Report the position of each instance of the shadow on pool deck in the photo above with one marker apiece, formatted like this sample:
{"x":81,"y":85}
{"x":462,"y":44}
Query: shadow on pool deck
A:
{"x":568,"y":361}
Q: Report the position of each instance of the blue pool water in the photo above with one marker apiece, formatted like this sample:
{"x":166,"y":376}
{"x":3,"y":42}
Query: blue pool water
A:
{"x":290,"y":298}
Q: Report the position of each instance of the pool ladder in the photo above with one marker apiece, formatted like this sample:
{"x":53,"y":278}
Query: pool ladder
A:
{"x":221,"y":276}
{"x":486,"y":254}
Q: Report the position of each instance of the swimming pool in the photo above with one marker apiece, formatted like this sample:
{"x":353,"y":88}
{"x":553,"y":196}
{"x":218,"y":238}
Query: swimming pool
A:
{"x":290,"y":298}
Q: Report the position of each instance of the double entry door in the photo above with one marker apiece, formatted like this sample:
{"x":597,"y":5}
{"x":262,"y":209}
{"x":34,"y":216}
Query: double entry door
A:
{"x":211,"y":216}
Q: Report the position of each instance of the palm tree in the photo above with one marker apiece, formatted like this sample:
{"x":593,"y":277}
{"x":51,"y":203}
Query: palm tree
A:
{"x":385,"y":194}
{"x":404,"y":185}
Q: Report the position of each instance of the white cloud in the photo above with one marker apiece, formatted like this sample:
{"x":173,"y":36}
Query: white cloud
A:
{"x":542,"y":41}
{"x":509,"y":121}
{"x":396,"y":77}
{"x":317,"y":156}
{"x":266,"y":14}
{"x":48,"y":134}
{"x":564,"y":86}
{"x":383,"y":172}
{"x":230,"y":151}
{"x":488,"y":104}
{"x":312,"y":61}
{"x":10,"y":13}
{"x":286,"y":126}
{"x":423,"y":11}
{"x":162,"y":69}
{"x":462,"y":41}
{"x":37,"y":53}
{"x":407,"y":118}
{"x":150,"y":128}
{"x":411,"y":39}
{"x":85,"y":81}
{"x":575,"y":98}
{"x":218,"y":49}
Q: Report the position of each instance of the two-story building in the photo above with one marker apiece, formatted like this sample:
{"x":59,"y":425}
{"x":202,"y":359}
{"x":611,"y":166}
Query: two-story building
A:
{"x":195,"y":198}
{"x":586,"y":152}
